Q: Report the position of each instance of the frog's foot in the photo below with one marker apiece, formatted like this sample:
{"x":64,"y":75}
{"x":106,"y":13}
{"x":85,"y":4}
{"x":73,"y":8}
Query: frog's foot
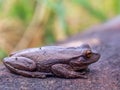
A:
{"x":84,"y":71}
{"x":66,"y":71}
{"x":87,"y":70}
{"x":23,"y":66}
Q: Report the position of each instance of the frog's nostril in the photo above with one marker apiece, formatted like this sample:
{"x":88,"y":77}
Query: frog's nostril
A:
{"x":97,"y":56}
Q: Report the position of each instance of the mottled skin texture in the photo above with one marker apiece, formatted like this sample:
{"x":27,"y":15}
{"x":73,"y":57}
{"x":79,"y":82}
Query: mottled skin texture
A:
{"x":66,"y":62}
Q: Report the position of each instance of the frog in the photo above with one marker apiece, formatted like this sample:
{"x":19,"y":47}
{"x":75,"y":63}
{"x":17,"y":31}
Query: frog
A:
{"x":58,"y":61}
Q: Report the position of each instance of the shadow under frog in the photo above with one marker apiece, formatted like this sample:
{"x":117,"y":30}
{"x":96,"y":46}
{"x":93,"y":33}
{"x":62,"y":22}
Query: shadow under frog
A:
{"x":66,"y":62}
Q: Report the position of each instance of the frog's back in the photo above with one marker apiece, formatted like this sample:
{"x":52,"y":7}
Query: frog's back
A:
{"x":50,"y":53}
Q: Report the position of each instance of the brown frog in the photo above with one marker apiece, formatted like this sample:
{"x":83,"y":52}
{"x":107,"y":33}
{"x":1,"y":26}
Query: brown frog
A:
{"x":66,"y":62}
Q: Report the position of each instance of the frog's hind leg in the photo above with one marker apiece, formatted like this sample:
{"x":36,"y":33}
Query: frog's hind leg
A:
{"x":23,"y":66}
{"x":66,"y":71}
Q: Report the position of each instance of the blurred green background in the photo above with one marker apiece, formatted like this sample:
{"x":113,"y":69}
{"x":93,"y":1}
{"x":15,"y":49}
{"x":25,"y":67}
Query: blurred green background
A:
{"x":33,"y":23}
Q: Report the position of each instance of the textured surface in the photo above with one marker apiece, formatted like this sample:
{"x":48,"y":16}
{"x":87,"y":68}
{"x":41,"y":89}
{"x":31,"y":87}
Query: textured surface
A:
{"x":104,"y":74}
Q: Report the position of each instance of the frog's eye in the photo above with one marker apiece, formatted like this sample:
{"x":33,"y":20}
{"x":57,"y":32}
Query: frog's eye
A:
{"x":88,"y":54}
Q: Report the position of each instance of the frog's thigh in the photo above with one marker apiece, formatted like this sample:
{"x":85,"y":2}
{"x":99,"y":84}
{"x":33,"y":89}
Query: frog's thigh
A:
{"x":20,"y":63}
{"x":23,"y":66}
{"x":65,"y":71}
{"x":27,"y":73}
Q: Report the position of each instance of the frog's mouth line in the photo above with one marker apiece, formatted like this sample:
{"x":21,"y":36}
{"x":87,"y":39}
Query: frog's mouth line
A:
{"x":95,"y":57}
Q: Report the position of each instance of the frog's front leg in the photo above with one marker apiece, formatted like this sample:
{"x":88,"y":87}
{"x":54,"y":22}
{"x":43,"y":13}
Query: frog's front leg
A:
{"x":23,"y":66}
{"x":78,"y":65}
{"x":66,"y":71}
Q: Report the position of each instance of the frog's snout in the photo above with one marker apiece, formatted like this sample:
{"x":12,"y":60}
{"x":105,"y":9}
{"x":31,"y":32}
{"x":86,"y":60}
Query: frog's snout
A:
{"x":97,"y":56}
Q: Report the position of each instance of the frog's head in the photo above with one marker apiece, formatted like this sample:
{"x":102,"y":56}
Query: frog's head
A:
{"x":86,"y":58}
{"x":89,"y":55}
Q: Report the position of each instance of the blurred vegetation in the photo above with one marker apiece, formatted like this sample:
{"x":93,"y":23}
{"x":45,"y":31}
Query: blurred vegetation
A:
{"x":32,"y":23}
